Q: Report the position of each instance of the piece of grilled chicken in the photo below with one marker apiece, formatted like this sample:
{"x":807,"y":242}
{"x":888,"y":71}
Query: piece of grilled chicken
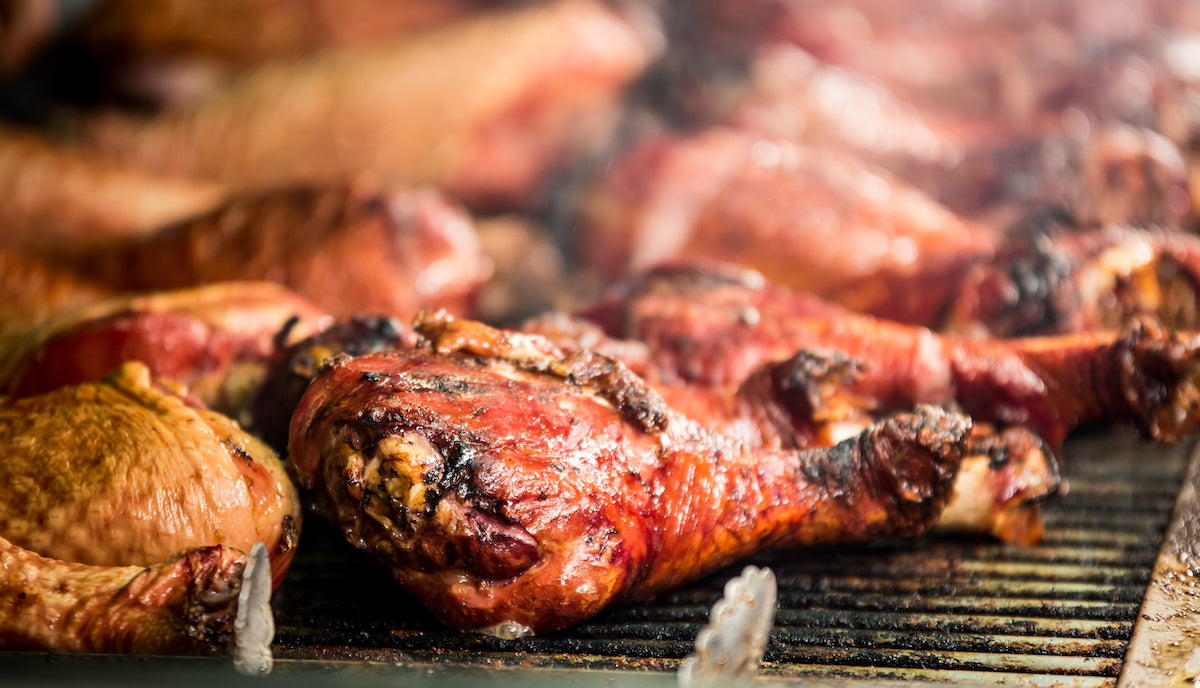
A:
{"x":821,"y":221}
{"x":507,"y":485}
{"x":409,"y":250}
{"x":126,"y":513}
{"x":216,"y":340}
{"x":186,"y":604}
{"x":810,"y":401}
{"x":127,"y":471}
{"x":415,"y":110}
{"x":720,"y":326}
{"x":1007,"y":473}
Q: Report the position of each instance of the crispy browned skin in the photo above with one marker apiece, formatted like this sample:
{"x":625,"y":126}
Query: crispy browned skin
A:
{"x":56,"y":198}
{"x":216,"y":340}
{"x":719,"y":327}
{"x":123,"y":472}
{"x":345,"y":248}
{"x":420,"y":110}
{"x":185,"y":604}
{"x":806,"y":403}
{"x":502,"y":482}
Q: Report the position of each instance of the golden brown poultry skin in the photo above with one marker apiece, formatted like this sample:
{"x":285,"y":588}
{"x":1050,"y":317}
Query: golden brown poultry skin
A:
{"x":504,"y":483}
{"x":123,"y":472}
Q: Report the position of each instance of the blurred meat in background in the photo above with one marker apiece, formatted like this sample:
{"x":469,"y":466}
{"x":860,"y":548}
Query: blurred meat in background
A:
{"x":869,"y":170}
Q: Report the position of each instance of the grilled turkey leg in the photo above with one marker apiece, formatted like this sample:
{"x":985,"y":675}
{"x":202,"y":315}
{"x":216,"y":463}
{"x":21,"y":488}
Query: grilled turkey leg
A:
{"x":503,"y":483}
{"x":718,"y":327}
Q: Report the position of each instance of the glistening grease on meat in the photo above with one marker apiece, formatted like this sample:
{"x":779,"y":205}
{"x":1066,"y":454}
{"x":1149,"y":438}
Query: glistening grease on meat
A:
{"x":506,"y":484}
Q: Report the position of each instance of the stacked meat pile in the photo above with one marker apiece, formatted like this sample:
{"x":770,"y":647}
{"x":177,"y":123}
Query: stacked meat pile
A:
{"x":555,"y":305}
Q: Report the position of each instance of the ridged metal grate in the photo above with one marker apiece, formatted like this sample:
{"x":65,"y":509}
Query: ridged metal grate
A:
{"x":941,"y":608}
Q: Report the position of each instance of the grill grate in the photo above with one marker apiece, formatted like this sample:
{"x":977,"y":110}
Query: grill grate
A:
{"x":943,"y":608}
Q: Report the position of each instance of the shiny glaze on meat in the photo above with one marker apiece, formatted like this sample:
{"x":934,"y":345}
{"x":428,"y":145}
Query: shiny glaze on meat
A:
{"x":503,"y":482}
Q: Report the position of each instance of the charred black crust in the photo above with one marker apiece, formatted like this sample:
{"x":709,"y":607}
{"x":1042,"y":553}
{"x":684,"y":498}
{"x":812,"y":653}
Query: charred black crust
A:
{"x":633,"y":398}
{"x":1157,"y":372}
{"x":810,"y":375}
{"x":290,"y":534}
{"x":295,"y":366}
{"x":210,"y":607}
{"x":917,"y":456}
{"x":1043,"y":296}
